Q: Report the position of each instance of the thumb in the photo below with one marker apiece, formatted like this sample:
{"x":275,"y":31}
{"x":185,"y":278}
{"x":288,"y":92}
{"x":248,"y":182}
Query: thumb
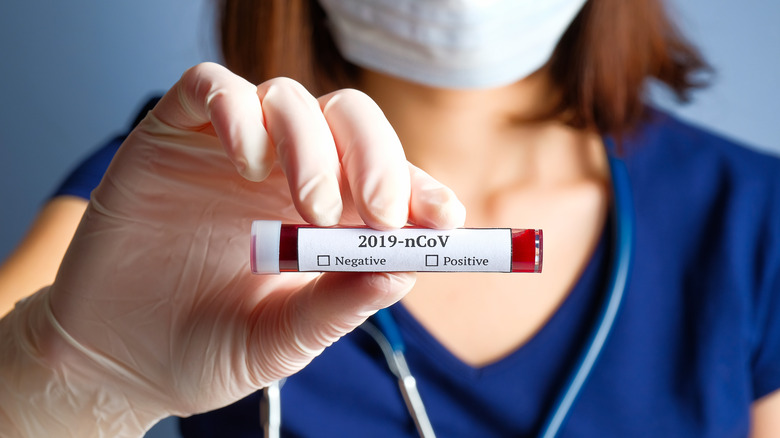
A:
{"x":292,"y":330}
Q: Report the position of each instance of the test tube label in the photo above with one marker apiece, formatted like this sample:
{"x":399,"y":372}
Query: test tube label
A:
{"x":407,"y":249}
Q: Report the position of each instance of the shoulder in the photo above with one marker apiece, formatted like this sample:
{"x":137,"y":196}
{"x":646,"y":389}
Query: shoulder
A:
{"x":708,"y":208}
{"x":693,"y":173}
{"x":687,"y":176}
{"x":666,"y":145}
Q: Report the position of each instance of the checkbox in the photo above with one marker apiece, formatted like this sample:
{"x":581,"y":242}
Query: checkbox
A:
{"x":431,"y":260}
{"x":323,"y":260}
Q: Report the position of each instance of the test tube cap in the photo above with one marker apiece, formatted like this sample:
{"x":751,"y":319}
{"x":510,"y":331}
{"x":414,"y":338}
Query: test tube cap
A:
{"x":264,"y":247}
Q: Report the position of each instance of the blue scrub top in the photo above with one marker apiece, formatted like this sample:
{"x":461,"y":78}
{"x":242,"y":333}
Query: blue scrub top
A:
{"x":696,"y":342}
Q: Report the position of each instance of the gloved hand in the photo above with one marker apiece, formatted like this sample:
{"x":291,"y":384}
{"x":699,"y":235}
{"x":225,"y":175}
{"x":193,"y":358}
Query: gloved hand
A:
{"x":154,"y":311}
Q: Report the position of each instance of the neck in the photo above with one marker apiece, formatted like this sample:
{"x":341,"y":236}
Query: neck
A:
{"x":485,"y":142}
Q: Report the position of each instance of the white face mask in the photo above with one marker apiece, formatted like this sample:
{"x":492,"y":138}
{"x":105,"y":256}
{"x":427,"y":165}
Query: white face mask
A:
{"x":451,"y":43}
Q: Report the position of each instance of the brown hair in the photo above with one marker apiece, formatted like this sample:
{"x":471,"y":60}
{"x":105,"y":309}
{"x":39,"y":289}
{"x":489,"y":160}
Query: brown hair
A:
{"x":601,"y":64}
{"x":263,"y":39}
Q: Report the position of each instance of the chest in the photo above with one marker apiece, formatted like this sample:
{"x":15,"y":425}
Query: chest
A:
{"x":481,"y":318}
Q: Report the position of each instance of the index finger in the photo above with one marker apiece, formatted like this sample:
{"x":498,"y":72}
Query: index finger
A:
{"x":211,"y":96}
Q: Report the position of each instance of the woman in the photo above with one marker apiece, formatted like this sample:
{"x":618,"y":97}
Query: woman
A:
{"x":694,"y":349}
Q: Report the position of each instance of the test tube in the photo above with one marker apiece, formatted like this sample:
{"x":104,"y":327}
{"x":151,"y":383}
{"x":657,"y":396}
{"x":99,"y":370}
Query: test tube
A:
{"x":277,"y":247}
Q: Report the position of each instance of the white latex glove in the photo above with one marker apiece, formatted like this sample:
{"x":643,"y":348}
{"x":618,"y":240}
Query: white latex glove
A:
{"x":154,"y":311}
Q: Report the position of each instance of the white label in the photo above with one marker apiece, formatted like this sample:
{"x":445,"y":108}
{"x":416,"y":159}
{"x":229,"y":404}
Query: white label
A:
{"x":408,"y":249}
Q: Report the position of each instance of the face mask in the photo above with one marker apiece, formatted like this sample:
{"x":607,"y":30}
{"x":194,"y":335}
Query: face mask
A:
{"x":450,"y":43}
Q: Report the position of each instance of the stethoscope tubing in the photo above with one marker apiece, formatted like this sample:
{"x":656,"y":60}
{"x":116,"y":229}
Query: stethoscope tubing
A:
{"x":622,"y":255}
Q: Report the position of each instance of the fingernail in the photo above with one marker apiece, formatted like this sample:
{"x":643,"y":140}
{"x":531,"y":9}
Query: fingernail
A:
{"x":321,"y":201}
{"x":387,"y":210}
{"x":452,"y":210}
{"x":254,"y":161}
{"x":241,"y":165}
{"x":444,"y":208}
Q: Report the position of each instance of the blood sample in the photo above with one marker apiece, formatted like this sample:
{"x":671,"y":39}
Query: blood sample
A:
{"x":278,"y":248}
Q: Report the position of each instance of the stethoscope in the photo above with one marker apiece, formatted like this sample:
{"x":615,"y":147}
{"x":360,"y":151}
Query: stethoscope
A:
{"x":385,"y":332}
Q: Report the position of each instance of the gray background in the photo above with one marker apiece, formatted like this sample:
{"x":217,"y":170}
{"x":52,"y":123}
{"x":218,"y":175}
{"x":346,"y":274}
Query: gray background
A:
{"x":73,"y":73}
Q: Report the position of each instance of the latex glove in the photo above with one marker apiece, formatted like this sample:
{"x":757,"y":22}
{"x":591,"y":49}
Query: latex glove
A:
{"x":154,"y":311}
